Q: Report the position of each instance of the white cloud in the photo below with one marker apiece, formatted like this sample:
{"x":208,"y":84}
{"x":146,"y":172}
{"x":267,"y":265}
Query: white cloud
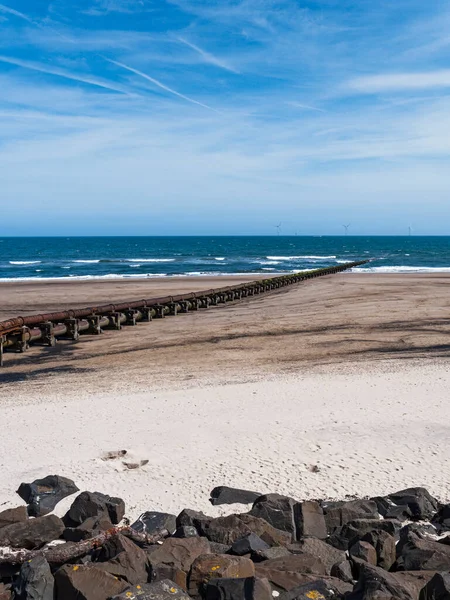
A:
{"x":208,"y":57}
{"x":397,"y":82}
{"x":49,"y":70}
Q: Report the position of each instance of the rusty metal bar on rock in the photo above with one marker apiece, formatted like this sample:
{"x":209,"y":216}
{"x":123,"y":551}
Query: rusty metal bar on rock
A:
{"x":45,"y":328}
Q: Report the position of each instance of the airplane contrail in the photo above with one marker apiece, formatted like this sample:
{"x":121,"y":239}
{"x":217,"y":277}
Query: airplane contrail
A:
{"x":159,"y":84}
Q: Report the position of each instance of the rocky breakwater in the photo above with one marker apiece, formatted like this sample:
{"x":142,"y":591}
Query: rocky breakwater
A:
{"x":382,"y":548}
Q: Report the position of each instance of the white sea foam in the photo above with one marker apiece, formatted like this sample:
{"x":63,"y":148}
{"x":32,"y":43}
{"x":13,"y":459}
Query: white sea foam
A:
{"x":150,"y":260}
{"x":298,"y":257}
{"x":87,"y":262}
{"x":401,"y":269}
{"x":24,"y":262}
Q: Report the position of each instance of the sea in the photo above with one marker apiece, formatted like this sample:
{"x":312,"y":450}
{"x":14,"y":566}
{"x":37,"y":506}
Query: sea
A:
{"x":32,"y":258}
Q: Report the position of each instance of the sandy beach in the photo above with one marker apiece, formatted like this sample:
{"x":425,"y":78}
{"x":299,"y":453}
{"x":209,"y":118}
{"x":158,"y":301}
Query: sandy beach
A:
{"x":335,"y":386}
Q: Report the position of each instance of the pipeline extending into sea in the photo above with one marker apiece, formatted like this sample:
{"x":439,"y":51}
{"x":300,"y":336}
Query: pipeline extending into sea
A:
{"x":18,"y":333}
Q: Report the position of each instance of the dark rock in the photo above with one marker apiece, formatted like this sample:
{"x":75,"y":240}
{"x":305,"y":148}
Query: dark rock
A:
{"x":192,"y":518}
{"x":364,"y":551}
{"x":91,"y":527}
{"x":175,"y":557}
{"x":217,"y":548}
{"x":438,"y":588}
{"x":124,"y":559}
{"x":5,"y":593}
{"x":247,"y":588}
{"x":152,"y":522}
{"x":288,"y":571}
{"x":441,"y":519}
{"x":273,"y":552}
{"x":13,"y":515}
{"x":227,"y":530}
{"x":419,"y":501}
{"x":412,"y":531}
{"x":309,"y":520}
{"x":384,"y":545}
{"x":35,"y":581}
{"x":401,"y":513}
{"x":248,"y":544}
{"x":186,"y":531}
{"x":375,"y":583}
{"x":338,"y":514}
{"x":86,"y":582}
{"x":227,"y":495}
{"x":271,"y":535}
{"x":326,"y":553}
{"x":94,"y":504}
{"x":353,"y":531}
{"x":161,"y":590}
{"x":33,"y":533}
{"x":319,"y":589}
{"x":342,"y":571}
{"x":423,"y":555}
{"x":286,"y":580}
{"x":217,"y":566}
{"x":42,"y":495}
{"x":276,"y":510}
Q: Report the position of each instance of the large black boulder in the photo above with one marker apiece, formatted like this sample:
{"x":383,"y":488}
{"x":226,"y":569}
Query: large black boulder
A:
{"x":32,"y":534}
{"x":152,"y":522}
{"x":338,"y":514}
{"x":94,"y":504}
{"x":42,"y":495}
{"x":419,"y":501}
{"x":244,"y":588}
{"x":228,"y":495}
{"x":352,"y":532}
{"x":438,"y":588}
{"x":35,"y":581}
{"x":375,"y":583}
{"x":423,"y":555}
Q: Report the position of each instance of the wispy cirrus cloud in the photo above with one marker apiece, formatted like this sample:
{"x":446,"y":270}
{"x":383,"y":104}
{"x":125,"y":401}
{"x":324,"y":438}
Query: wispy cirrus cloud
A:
{"x":394,"y":82}
{"x":49,"y":70}
{"x":104,"y":7}
{"x":158,"y":84}
{"x":11,"y":11}
{"x":208,"y":57}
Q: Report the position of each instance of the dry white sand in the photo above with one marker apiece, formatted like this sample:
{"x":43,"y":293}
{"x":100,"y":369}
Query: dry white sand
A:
{"x":368,"y":432}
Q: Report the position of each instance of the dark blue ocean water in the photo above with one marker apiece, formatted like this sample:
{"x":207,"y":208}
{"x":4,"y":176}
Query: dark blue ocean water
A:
{"x":87,"y":257}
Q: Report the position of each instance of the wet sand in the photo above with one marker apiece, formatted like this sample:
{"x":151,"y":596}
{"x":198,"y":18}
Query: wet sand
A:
{"x":334,"y":320}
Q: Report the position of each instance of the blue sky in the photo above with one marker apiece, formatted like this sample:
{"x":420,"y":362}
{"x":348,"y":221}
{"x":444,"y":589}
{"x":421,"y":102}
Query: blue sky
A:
{"x":224,"y":116}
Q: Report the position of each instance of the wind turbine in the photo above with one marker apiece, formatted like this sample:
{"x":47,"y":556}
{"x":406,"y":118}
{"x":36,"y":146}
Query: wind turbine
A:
{"x":277,"y":227}
{"x":346,"y":228}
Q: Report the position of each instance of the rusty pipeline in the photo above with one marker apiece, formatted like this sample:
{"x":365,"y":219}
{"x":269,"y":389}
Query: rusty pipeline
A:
{"x":18,"y":333}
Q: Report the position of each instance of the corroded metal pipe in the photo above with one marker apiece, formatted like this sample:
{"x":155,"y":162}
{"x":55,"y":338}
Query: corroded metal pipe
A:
{"x":18,"y":333}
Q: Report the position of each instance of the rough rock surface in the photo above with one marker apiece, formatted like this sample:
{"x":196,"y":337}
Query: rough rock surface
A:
{"x":161,"y":590}
{"x":13,"y":515}
{"x":94,"y":504}
{"x":85,"y":582}
{"x":227,"y":495}
{"x":124,"y":559}
{"x":33,"y":533}
{"x":42,"y":495}
{"x":244,"y":588}
{"x":215,"y":566}
{"x":153,"y":522}
{"x":35,"y":581}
